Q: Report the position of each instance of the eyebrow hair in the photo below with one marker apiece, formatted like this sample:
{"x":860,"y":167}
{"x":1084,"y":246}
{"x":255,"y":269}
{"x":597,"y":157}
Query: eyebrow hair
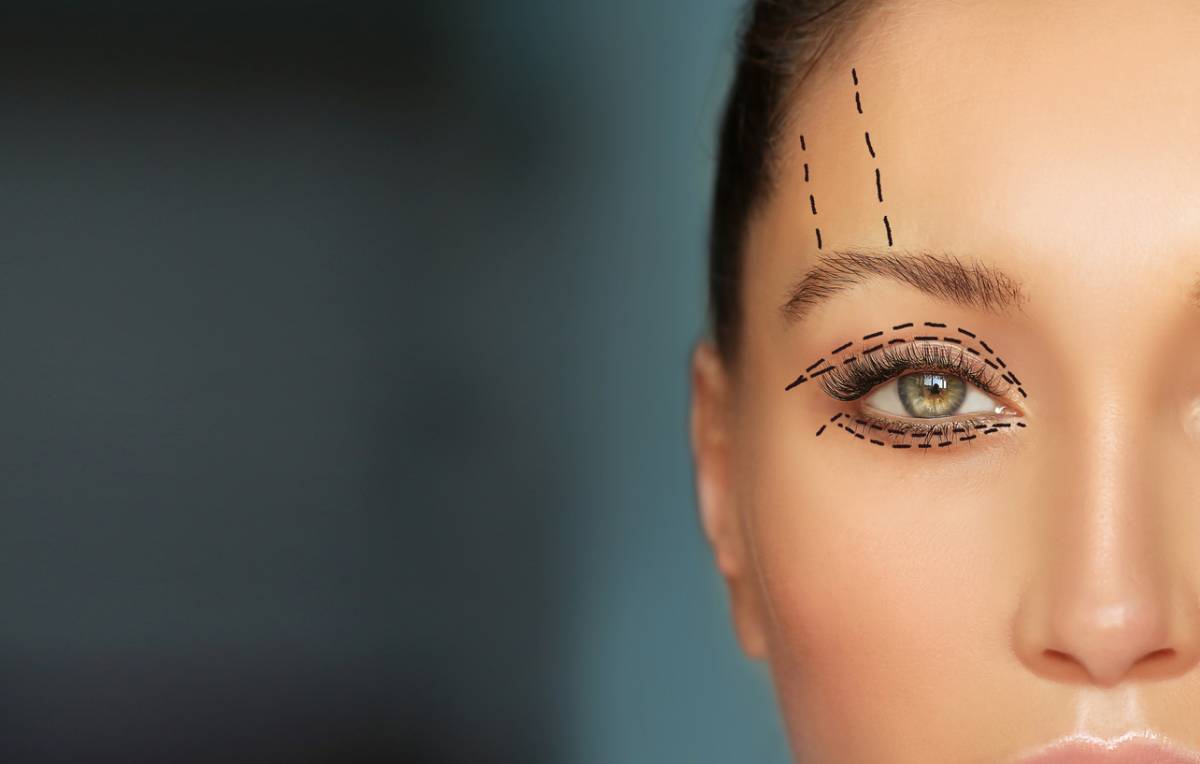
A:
{"x":943,"y":276}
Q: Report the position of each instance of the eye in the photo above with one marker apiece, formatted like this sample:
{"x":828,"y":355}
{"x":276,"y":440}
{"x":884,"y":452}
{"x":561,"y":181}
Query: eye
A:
{"x":929,"y":395}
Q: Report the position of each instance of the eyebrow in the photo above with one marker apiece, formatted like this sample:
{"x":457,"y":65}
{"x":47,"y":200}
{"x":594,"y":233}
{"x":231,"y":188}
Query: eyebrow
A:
{"x":943,"y":276}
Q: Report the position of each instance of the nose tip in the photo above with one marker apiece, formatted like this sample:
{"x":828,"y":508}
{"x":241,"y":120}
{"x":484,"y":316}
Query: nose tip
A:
{"x":1111,"y":641}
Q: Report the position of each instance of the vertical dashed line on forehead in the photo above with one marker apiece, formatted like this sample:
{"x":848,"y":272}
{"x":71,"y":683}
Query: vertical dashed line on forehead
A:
{"x":887,"y":225}
{"x":812,"y":199}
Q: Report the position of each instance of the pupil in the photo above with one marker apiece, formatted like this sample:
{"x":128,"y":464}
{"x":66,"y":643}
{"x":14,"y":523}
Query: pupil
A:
{"x":929,"y":394}
{"x":935,"y":385}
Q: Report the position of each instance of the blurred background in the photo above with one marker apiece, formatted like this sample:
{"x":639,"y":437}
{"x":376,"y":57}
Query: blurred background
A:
{"x":345,"y":387}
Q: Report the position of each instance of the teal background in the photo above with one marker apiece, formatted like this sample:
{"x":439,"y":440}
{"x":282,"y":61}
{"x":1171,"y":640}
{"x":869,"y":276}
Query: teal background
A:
{"x":345,"y":389}
{"x":574,"y":211}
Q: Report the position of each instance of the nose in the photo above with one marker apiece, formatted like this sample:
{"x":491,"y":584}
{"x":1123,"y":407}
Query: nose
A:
{"x":1114,"y":627}
{"x":1109,"y":601}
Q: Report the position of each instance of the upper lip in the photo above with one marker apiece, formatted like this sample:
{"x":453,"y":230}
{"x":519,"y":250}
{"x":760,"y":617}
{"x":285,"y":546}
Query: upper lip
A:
{"x":1128,"y":749}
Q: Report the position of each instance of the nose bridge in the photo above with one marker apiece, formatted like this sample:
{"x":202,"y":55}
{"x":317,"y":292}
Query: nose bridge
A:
{"x":1106,"y":606}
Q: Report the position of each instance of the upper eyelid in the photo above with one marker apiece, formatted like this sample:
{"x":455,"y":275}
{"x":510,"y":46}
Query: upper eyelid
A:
{"x":957,"y":360}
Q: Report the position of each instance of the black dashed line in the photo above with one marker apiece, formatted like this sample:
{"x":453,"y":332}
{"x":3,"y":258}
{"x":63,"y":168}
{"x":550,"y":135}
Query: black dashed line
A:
{"x":925,"y":337}
{"x":858,"y":102}
{"x":822,"y":371}
{"x":815,"y":365}
{"x":872,"y":335}
{"x":860,"y":421}
{"x":935,"y":324}
{"x":964,"y":331}
{"x":870,"y":148}
{"x":968,"y":437}
{"x":985,"y":346}
{"x":820,"y":431}
{"x":812,"y":202}
{"x":851,"y":359}
{"x":1024,"y":394}
{"x":896,"y":432}
{"x":1014,"y":377}
{"x":988,"y":361}
{"x":836,"y":417}
{"x":818,"y":238}
{"x":952,"y":340}
{"x":1000,"y":361}
{"x":1002,"y":424}
{"x":837,"y":350}
{"x":895,"y":341}
{"x":854,"y":74}
{"x":944,"y":443}
{"x":1020,"y":424}
{"x":877,"y":442}
{"x":888,"y":226}
{"x":1008,"y":378}
{"x":972,"y":351}
{"x":806,"y":172}
{"x":802,"y":146}
{"x":924,"y":445}
{"x":990,"y":430}
{"x":798,"y":381}
{"x":868,"y":351}
{"x":902,"y":326}
{"x":878,"y":186}
{"x":860,"y":436}
{"x":901,"y":445}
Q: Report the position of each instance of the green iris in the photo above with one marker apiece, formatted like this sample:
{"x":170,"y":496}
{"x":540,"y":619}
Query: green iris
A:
{"x":927,"y":395}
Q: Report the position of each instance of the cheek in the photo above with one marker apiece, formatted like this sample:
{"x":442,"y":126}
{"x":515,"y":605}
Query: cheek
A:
{"x":872,"y":567}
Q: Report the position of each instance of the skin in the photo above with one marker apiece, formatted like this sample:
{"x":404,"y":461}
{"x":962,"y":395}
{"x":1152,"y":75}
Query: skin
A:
{"x":968,"y":604}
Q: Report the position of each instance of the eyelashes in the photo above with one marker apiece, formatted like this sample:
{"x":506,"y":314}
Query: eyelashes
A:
{"x":854,"y":379}
{"x":915,"y":390}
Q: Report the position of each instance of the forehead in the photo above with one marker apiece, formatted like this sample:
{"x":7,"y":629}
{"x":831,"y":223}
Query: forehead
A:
{"x":1037,"y":133}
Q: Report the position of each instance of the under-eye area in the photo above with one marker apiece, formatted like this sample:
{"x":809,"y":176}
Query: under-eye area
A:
{"x":912,"y":435}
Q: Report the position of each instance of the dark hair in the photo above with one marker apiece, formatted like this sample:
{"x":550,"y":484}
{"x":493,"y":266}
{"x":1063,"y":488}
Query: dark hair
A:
{"x":780,"y":42}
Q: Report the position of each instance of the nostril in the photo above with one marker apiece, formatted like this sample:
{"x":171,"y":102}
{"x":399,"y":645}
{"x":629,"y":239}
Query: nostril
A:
{"x":1064,"y":666}
{"x":1160,"y":655}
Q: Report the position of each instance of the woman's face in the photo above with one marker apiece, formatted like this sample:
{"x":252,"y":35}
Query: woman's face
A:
{"x":1034,"y":571}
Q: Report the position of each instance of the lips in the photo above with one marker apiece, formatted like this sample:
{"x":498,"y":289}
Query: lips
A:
{"x":1132,"y":752}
